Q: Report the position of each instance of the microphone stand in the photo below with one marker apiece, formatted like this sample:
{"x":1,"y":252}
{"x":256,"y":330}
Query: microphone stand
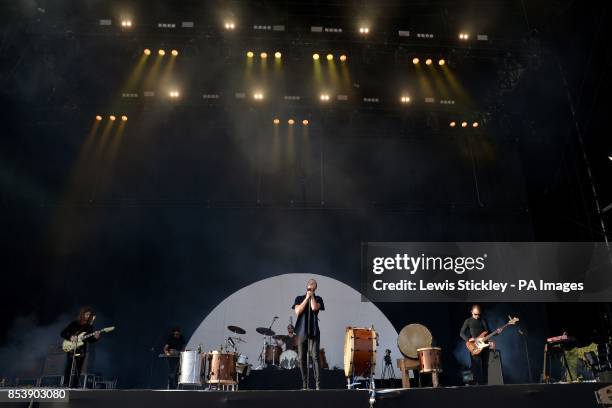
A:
{"x":308,"y":344}
{"x":524,"y":336}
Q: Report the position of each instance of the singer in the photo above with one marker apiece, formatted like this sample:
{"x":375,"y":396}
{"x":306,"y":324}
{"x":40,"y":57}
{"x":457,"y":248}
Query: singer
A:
{"x":307,"y":309}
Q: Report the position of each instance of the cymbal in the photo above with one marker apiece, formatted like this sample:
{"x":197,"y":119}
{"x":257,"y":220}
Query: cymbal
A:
{"x":265,"y":331}
{"x":282,"y":337}
{"x":412,"y":337}
{"x":236,"y":329}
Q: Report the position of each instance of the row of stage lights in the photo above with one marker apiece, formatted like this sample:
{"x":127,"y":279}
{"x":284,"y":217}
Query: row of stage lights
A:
{"x":278,"y":55}
{"x":231,"y":26}
{"x":112,"y":118}
{"x":290,"y":122}
{"x":161,"y":52}
{"x":464,"y":124}
{"x":428,"y":61}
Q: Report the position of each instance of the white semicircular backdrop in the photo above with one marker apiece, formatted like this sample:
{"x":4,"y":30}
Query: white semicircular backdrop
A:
{"x":257,"y":304}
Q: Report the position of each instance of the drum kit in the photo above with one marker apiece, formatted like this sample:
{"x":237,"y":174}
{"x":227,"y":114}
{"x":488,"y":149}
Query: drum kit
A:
{"x":219,"y":368}
{"x":272,"y":354}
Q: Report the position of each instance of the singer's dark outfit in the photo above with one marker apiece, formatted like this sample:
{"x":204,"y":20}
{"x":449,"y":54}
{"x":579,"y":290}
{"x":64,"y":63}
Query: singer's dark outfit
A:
{"x":177,"y":344}
{"x":480,"y":363}
{"x":308,"y":338}
{"x":73,"y":329}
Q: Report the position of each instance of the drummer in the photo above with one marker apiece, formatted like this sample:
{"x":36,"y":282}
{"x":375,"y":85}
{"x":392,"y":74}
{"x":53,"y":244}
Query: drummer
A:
{"x":175,"y":343}
{"x":291,"y":343}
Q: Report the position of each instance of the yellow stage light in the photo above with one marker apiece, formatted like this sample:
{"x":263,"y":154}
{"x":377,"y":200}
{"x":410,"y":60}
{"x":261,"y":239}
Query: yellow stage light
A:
{"x":277,"y":55}
{"x":452,"y":124}
{"x":112,"y":118}
{"x":441,"y":62}
{"x":405,"y":99}
{"x":315,"y":56}
{"x":305,"y":122}
{"x":428,"y":61}
{"x":464,"y":36}
{"x":276,"y":121}
{"x":263,"y":55}
{"x":124,"y":118}
{"x":364,"y":30}
{"x":174,"y":53}
{"x":475,"y":124}
{"x":343,"y":58}
{"x":330,"y":57}
{"x":324,"y":97}
{"x":291,"y":121}
{"x":415,"y":60}
{"x":463,"y":124}
{"x":250,"y":54}
{"x":230,"y":25}
{"x":98,"y":118}
{"x":161,"y":52}
{"x":147,"y":51}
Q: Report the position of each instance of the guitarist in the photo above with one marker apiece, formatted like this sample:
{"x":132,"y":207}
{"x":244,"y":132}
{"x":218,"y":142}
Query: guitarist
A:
{"x":83,"y":324}
{"x":472,"y":328}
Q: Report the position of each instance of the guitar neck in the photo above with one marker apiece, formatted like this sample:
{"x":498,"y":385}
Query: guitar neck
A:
{"x":496,"y":331}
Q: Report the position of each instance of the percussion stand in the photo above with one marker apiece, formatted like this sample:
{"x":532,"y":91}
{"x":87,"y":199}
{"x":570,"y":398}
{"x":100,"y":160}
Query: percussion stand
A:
{"x":388,"y":370}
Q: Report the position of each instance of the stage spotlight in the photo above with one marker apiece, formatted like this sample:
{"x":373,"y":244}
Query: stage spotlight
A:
{"x":161,"y":52}
{"x":263,"y":55}
{"x":174,"y":53}
{"x":291,"y":122}
{"x":124,"y":118}
{"x":112,"y":118}
{"x":276,"y":121}
{"x":415,"y":61}
{"x":278,"y":55}
{"x":305,"y":122}
{"x":250,"y":54}
{"x":174,"y":94}
{"x":452,"y":124}
{"x":475,"y":124}
{"x":330,"y":57}
{"x":126,"y":23}
{"x":463,"y":124}
{"x":324,"y":97}
{"x":258,"y":96}
{"x":98,"y":118}
{"x":315,"y":56}
{"x":405,"y":99}
{"x":428,"y":61}
{"x":610,"y":157}
{"x":343,"y":58}
{"x":230,"y":25}
{"x":441,"y":62}
{"x":464,"y":36}
{"x":364,"y":30}
{"x":147,"y":51}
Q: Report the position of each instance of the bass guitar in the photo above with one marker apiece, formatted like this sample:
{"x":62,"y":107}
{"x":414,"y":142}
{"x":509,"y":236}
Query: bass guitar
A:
{"x":481,"y":342}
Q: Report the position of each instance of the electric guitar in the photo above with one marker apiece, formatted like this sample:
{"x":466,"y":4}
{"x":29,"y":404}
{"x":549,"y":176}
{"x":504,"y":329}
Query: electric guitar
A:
{"x":69,"y":346}
{"x":476,"y":346}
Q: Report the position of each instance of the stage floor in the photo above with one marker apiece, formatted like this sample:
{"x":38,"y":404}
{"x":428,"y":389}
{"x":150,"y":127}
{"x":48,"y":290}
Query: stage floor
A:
{"x":499,"y":396}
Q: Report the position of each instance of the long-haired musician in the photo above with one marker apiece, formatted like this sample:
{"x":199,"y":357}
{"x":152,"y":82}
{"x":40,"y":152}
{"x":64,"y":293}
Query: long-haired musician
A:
{"x":307,"y":308}
{"x":83,"y":324}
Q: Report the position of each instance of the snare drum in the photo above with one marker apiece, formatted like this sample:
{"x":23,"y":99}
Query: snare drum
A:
{"x":191,"y":368}
{"x":430,"y":359}
{"x":289,"y":359}
{"x":221,"y":367}
{"x":360,"y":352}
{"x":273,"y":353}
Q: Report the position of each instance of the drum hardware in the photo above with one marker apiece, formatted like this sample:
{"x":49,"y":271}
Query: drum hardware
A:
{"x":268,"y":356}
{"x":236,"y":329}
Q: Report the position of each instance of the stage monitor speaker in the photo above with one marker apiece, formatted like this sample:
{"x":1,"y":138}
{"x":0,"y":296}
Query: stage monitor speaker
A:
{"x":496,"y":375}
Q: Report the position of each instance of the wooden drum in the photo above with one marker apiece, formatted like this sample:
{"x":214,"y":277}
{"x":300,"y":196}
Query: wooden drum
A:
{"x":430,"y":359}
{"x":221,"y":367}
{"x":360,"y":352}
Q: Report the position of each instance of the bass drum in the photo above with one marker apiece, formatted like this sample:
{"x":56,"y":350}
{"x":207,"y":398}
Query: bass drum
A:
{"x":191,"y":368}
{"x":221,"y":367}
{"x":360,"y":352}
{"x":289,"y":359}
